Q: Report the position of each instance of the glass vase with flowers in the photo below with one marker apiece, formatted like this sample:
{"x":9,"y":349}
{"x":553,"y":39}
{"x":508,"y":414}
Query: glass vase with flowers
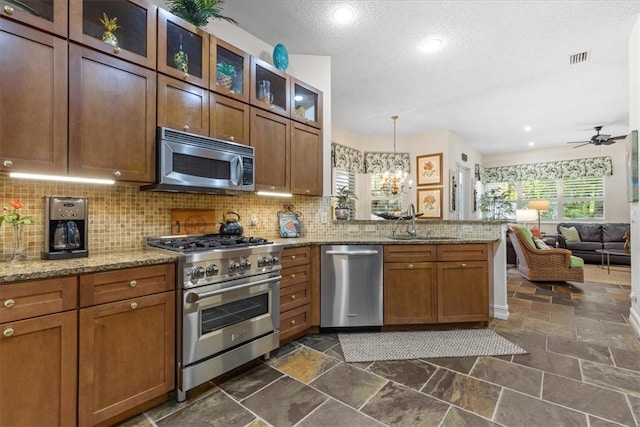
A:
{"x":13,"y":217}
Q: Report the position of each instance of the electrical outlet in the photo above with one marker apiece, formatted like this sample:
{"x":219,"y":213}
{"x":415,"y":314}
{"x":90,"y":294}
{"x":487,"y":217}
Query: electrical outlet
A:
{"x":324,"y":217}
{"x":254,"y":219}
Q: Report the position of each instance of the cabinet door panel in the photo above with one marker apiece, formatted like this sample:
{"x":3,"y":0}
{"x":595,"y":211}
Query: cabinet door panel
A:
{"x":38,"y":367}
{"x":410,"y":293}
{"x":182,"y":106}
{"x":126,"y":355}
{"x":463,"y":291}
{"x":33,"y":100}
{"x":270,"y":135}
{"x":229,"y":119}
{"x":50,"y":15}
{"x":229,"y":70}
{"x":306,"y":160}
{"x":113,"y":117}
{"x":409,"y":253}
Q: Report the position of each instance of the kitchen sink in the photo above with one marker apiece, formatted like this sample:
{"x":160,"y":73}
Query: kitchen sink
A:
{"x":422,"y":238}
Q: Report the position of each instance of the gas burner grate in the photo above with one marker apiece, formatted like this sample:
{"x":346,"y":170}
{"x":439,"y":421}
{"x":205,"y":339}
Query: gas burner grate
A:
{"x":206,"y":242}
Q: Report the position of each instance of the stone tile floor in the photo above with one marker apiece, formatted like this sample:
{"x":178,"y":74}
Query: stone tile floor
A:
{"x":583,"y":370}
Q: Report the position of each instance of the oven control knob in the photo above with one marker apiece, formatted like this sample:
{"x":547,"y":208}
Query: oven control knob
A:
{"x":263,"y":262}
{"x":246,"y":264}
{"x":233,"y":266}
{"x":197,"y":273}
{"x":274,"y":260}
{"x":212,"y":270}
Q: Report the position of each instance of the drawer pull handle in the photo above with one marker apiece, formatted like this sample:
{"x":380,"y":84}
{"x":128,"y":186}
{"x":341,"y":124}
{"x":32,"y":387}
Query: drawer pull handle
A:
{"x":411,"y":266}
{"x":293,"y":276}
{"x":9,"y":303}
{"x":7,"y":163}
{"x":463,"y":265}
{"x":8,"y":332}
{"x":133,"y":283}
{"x":293,"y":322}
{"x":8,"y":10}
{"x":231,"y":138}
{"x":293,"y":297}
{"x":293,"y":257}
{"x":134,"y":305}
{"x":117,"y":50}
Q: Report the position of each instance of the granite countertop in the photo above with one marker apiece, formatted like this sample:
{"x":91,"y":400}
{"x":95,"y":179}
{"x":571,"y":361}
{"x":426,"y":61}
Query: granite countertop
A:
{"x":42,"y":269}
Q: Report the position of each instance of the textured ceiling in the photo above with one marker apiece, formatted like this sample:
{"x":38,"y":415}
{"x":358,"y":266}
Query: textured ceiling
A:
{"x":504,"y":65}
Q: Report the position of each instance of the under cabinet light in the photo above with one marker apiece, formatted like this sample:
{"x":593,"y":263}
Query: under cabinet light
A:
{"x":61,"y":178}
{"x":273,"y":194}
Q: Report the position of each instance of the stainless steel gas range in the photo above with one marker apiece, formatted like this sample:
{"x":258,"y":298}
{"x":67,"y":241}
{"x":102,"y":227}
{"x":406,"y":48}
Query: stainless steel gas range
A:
{"x":228,"y":309}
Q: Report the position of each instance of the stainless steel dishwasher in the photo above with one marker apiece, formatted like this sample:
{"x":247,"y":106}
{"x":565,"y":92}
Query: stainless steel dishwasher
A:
{"x":350,"y":286}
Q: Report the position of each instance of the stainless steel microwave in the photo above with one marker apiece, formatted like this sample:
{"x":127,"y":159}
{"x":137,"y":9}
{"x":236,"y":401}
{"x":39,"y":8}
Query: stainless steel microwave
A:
{"x":190,"y":163}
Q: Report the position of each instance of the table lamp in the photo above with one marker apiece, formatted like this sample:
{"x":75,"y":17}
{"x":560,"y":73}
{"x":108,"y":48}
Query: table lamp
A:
{"x":526,"y":215}
{"x":539,"y":205}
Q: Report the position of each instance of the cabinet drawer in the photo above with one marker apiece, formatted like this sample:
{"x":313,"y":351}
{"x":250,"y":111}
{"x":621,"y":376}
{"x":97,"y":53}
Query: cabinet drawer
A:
{"x":22,"y":300}
{"x":296,"y":256}
{"x":294,"y":296}
{"x":295,"y":275}
{"x":294,"y":321}
{"x":409,"y":253}
{"x":109,"y":286}
{"x":467,"y":252}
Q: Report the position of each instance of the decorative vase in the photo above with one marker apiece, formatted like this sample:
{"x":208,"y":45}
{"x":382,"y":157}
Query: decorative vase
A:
{"x":342,"y":214}
{"x":17,"y":243}
{"x":225,"y":81}
{"x":181,"y":59}
{"x":110,"y":38}
{"x":280,"y":57}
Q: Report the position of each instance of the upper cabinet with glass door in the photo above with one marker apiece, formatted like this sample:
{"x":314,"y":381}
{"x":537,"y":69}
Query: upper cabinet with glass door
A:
{"x":50,"y":16}
{"x":183,"y":50}
{"x":306,"y":103}
{"x":270,"y":88}
{"x":229,"y":70}
{"x":123,"y":28}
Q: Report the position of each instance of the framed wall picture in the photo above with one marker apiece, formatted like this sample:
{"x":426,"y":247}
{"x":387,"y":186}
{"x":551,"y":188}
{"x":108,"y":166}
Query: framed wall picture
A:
{"x":429,"y":202}
{"x":429,"y":169}
{"x":631,"y":159}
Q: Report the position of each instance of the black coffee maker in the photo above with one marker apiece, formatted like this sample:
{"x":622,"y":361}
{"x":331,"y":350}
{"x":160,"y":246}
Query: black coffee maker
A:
{"x":66,"y":225}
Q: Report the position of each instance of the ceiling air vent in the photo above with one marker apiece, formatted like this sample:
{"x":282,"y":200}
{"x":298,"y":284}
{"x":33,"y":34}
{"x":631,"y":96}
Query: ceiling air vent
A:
{"x":578,"y":58}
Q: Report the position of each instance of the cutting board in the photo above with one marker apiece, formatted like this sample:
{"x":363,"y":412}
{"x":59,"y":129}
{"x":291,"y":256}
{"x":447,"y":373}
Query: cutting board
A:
{"x":194,"y":221}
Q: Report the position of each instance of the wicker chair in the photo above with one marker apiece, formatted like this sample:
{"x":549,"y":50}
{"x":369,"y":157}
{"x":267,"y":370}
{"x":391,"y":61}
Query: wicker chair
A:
{"x":543,"y":265}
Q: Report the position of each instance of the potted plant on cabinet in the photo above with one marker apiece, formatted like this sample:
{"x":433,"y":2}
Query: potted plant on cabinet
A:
{"x":198,"y":12}
{"x":345,"y":200}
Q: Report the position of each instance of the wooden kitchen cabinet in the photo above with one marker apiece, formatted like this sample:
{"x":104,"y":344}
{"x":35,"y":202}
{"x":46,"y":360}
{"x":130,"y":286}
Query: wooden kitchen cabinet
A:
{"x":270,"y":88}
{"x":38,"y":352}
{"x":306,"y":160}
{"x":135,"y":38}
{"x":271,"y":137}
{"x":463,"y":283}
{"x":410,"y":285}
{"x":127,"y":348}
{"x":33,"y":100}
{"x":295,"y":293}
{"x":229,"y":70}
{"x":229,"y":119}
{"x":182,"y":106}
{"x":306,"y":103}
{"x":183,"y":50}
{"x":46,"y":15}
{"x":112,"y":110}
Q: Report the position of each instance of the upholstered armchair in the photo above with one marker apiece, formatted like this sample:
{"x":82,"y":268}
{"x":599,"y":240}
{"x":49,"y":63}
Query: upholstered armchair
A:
{"x":549,"y":264}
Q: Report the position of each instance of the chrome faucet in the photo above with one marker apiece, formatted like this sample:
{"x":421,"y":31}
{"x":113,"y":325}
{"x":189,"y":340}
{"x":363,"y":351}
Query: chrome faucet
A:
{"x":411,"y":228}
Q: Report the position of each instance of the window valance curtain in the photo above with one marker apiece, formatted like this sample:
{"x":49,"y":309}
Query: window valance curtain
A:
{"x":347,"y":158}
{"x":577,"y":168}
{"x":383,"y":162}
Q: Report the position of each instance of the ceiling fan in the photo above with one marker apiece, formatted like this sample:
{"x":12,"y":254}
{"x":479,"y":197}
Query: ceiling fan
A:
{"x":598,"y":139}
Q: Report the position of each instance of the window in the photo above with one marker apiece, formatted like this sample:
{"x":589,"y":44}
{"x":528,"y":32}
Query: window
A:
{"x":498,"y":201}
{"x":381,"y":201}
{"x":541,"y":190}
{"x":583,"y":198}
{"x":344,"y":178}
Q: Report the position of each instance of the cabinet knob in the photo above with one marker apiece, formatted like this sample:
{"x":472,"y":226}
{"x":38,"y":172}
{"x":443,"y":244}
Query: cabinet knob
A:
{"x":293,"y":297}
{"x":293,"y":276}
{"x":117,"y":50}
{"x":8,"y":10}
{"x":9,"y":303}
{"x":293,"y":322}
{"x":8,"y":332}
{"x":411,"y":266}
{"x":133,"y":283}
{"x":272,"y":188}
{"x":307,"y":191}
{"x":231,"y":138}
{"x":117,"y":174}
{"x":463,"y":265}
{"x":7,"y":163}
{"x":134,"y":305}
{"x":185,"y":127}
{"x":293,"y":257}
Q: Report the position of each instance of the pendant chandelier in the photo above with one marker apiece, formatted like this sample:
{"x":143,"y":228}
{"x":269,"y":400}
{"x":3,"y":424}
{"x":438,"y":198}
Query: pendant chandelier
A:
{"x":395,"y":181}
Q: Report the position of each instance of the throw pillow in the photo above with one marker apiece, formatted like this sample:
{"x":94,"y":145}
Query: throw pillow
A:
{"x":526,"y":234}
{"x":576,"y":262}
{"x":535,"y":232}
{"x":570,"y":234}
{"x":540,"y":244}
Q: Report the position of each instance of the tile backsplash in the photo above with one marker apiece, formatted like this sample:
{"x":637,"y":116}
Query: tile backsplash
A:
{"x":120,"y":216}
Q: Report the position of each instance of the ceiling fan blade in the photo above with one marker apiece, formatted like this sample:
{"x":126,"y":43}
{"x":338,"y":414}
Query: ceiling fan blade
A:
{"x":579,"y":142}
{"x":618,"y":137}
{"x":586,"y":143}
{"x":609,"y":141}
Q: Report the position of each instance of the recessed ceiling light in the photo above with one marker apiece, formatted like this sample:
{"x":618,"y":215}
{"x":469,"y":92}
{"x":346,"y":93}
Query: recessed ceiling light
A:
{"x":431,"y":45}
{"x":531,"y":143}
{"x":527,"y":128}
{"x":343,"y":15}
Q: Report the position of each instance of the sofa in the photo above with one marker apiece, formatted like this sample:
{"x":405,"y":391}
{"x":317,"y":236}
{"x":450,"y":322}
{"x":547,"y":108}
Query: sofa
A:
{"x":595,"y":236}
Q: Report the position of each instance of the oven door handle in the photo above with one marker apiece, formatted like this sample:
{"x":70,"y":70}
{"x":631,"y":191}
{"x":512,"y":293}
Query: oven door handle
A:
{"x":195,"y":297}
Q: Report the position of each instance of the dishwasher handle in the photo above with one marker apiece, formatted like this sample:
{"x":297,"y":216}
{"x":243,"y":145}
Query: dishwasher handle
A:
{"x":363,"y":252}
